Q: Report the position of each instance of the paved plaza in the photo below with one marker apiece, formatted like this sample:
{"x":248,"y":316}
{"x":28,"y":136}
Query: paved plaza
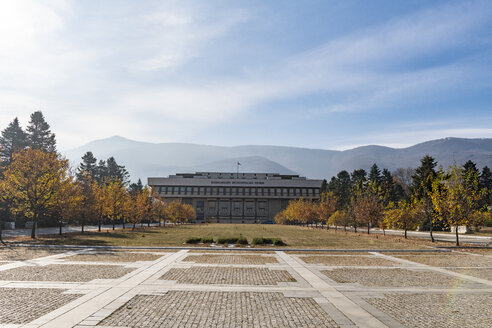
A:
{"x":231,"y":288}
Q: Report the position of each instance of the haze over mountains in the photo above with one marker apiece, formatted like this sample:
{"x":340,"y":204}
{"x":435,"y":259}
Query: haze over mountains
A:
{"x":143,"y":159}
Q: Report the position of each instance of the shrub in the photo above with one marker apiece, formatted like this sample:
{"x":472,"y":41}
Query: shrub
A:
{"x":207,"y":240}
{"x":278,"y":242}
{"x":227,"y":240}
{"x":268,"y":241}
{"x":193,"y":240}
{"x":242,"y":241}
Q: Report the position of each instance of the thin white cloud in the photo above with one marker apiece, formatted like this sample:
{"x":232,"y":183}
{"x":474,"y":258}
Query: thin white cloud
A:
{"x":115,"y":78}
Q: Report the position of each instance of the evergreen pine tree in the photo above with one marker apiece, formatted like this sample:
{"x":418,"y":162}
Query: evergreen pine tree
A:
{"x":116,"y":171}
{"x":423,"y":177}
{"x":39,"y":133}
{"x":101,"y":171}
{"x":12,"y":139}
{"x":88,"y":166}
{"x":136,"y":188}
{"x":358,"y":178}
{"x":375,"y":174}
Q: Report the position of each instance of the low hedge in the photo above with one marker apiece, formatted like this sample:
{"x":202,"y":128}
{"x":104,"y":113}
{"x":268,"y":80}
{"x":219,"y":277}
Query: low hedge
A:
{"x":268,"y":241}
{"x":193,"y":240}
{"x":207,"y":240}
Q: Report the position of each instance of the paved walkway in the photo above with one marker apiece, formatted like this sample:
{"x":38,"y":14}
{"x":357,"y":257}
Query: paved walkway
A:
{"x":203,"y":288}
{"x":66,"y":229}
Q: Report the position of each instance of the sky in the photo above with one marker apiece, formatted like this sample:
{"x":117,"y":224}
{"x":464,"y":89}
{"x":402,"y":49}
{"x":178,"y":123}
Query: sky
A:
{"x":317,"y":74}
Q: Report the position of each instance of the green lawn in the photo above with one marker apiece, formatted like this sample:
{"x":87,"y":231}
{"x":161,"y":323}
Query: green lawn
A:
{"x":293,"y":236}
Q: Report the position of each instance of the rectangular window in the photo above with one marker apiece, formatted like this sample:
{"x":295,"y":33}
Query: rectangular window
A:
{"x":272,"y":191}
{"x":195,"y":190}
{"x":202,"y":190}
{"x":233,"y":191}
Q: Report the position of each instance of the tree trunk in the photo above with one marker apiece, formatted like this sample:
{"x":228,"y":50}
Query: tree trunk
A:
{"x":133,"y":228}
{"x":61,"y":225}
{"x":113,"y":225}
{"x":457,"y":238}
{"x":99,"y":225}
{"x":355,"y":229}
{"x":1,"y":229}
{"x":33,"y":230}
{"x":405,"y":233}
{"x":432,"y":237}
{"x":123,"y":224}
{"x":368,"y":228}
{"x":82,"y":231}
{"x":148,"y":224}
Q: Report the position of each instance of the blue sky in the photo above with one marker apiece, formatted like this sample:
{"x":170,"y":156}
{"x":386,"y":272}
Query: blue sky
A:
{"x":318,"y":74}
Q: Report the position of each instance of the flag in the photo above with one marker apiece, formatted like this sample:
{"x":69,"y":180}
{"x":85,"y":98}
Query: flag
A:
{"x":238,"y":163}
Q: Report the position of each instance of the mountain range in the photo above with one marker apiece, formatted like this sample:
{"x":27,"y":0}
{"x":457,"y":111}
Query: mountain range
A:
{"x":144,"y":159}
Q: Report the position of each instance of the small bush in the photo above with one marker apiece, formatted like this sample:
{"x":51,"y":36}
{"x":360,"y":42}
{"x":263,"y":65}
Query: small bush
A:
{"x":268,"y":241}
{"x":227,"y":240}
{"x":242,"y":241}
{"x":278,"y":242}
{"x":193,"y":240}
{"x":207,"y":240}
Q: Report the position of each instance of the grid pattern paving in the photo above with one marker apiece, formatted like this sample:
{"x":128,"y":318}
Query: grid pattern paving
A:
{"x":219,"y":309}
{"x":230,"y":259}
{"x":230,"y":276}
{"x":64,"y":272}
{"x":437,"y":310}
{"x":234,"y":289}
{"x":22,"y":305}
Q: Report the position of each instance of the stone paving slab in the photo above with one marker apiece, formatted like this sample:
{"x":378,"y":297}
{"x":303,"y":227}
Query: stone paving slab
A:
{"x":230,"y":259}
{"x":64,"y":272}
{"x":437,"y":310}
{"x":22,"y":305}
{"x":396,"y":278}
{"x":219,"y":309}
{"x":230,"y":276}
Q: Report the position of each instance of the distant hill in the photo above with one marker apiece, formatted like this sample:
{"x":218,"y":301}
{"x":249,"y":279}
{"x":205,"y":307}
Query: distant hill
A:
{"x":143,"y":159}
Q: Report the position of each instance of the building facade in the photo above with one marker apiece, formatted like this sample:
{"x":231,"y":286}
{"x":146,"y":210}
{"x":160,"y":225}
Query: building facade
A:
{"x":236,"y":197}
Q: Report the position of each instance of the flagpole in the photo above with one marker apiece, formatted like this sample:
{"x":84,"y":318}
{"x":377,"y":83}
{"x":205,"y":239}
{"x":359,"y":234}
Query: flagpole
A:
{"x":237,"y":175}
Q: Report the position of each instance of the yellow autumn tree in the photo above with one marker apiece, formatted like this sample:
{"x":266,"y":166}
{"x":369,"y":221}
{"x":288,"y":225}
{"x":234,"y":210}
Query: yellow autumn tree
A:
{"x":402,"y":215}
{"x":327,"y":206}
{"x":114,"y":201}
{"x":178,"y":212}
{"x":367,"y":206}
{"x":457,"y":198}
{"x":32,"y":183}
{"x":67,"y":202}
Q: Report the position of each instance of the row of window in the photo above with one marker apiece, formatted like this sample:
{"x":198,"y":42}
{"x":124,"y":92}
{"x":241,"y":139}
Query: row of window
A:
{"x":236,"y":191}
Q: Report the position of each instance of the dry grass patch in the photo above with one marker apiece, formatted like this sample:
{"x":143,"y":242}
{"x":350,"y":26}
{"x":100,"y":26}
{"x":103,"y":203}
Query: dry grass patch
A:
{"x":293,"y":236}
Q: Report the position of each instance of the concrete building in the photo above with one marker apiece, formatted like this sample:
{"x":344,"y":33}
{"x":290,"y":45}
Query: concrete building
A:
{"x":236,"y":198}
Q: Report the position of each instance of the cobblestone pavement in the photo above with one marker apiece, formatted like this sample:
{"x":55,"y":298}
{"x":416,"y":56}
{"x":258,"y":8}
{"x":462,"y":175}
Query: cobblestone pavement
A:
{"x":22,"y":305}
{"x":229,"y":276}
{"x":179,"y":288}
{"x":392,"y":278}
{"x":219,"y":309}
{"x":348,"y":260}
{"x":113,"y":257}
{"x":64,"y":272}
{"x":437,"y":310}
{"x":450,"y":260}
{"x":22,"y":253}
{"x":230,"y":259}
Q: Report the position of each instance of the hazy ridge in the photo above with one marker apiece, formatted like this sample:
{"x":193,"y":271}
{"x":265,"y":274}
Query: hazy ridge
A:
{"x":144,"y":159}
